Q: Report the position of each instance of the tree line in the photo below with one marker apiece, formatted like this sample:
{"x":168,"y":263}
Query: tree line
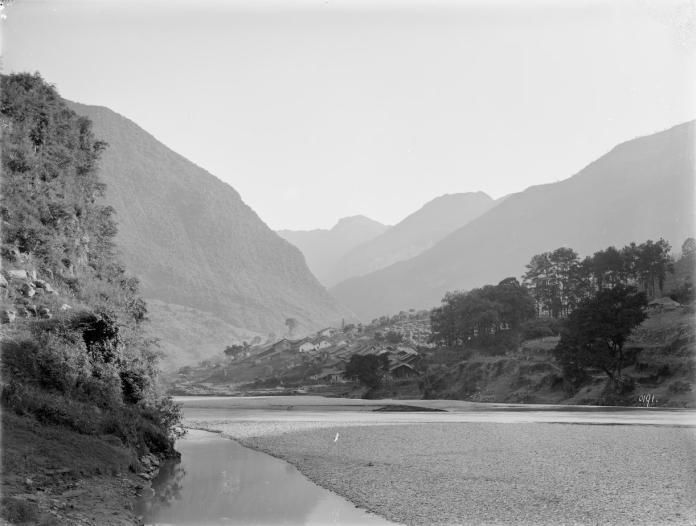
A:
{"x":554,"y":285}
{"x":481,"y":314}
{"x":559,"y":280}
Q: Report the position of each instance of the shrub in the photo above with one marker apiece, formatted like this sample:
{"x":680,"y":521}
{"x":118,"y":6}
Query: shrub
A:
{"x":680,"y":386}
{"x":19,"y":511}
{"x":540,"y":328}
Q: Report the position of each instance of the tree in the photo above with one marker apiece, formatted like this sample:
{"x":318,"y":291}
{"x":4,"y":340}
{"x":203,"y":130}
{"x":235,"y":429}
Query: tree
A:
{"x":291,"y":324}
{"x":653,"y":263}
{"x":607,"y":268}
{"x":393,"y":337}
{"x":688,"y":247}
{"x":554,"y":279}
{"x":233,"y":350}
{"x":369,"y":370}
{"x":596,"y":331}
{"x":481,"y":314}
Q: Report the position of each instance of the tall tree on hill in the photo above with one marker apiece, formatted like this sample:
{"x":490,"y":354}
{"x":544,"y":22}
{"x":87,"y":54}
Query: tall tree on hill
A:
{"x":554,"y":279}
{"x":596,"y":331}
{"x":607,"y":268}
{"x":653,"y":263}
{"x":539,"y":280}
{"x":291,"y":324}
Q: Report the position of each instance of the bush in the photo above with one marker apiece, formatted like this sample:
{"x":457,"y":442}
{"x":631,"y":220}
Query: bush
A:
{"x":684,"y":293}
{"x":50,"y":408}
{"x":19,"y":511}
{"x":540,"y":328}
{"x":680,"y":386}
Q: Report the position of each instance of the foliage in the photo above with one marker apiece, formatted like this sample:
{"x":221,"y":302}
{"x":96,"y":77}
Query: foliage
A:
{"x":291,"y":324}
{"x":94,"y":359}
{"x":51,"y":190}
{"x":558,"y":280}
{"x":393,"y":337}
{"x":19,"y":511}
{"x":684,"y":293}
{"x":369,"y":370}
{"x":481,"y":315}
{"x":540,"y":328}
{"x":594,"y":334}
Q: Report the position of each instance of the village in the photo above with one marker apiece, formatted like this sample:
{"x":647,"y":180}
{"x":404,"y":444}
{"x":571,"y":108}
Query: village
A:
{"x":315,"y":362}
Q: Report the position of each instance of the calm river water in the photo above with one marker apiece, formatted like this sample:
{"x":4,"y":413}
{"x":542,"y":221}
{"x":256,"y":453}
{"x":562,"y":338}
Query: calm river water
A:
{"x":219,"y":482}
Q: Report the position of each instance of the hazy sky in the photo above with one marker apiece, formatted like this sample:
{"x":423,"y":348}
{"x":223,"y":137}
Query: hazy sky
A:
{"x":315,"y":110}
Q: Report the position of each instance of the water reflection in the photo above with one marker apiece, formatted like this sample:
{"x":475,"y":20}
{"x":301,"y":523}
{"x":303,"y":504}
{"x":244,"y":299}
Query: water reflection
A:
{"x":220,"y":482}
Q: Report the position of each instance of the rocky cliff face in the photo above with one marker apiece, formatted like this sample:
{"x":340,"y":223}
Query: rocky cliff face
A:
{"x":193,"y":242}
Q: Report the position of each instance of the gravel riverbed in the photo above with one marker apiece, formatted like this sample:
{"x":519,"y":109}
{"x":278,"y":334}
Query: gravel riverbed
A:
{"x":493,"y":473}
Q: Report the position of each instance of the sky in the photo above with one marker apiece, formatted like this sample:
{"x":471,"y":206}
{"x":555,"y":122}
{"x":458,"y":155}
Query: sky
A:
{"x":316,"y":110}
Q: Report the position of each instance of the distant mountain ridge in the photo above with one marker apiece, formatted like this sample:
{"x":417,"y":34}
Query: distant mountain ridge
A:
{"x":414,"y":234}
{"x":324,"y":248}
{"x":192,"y":241}
{"x":642,"y":189}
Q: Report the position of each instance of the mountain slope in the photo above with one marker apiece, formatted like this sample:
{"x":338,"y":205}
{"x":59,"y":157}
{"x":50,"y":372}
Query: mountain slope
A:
{"x":642,"y":189}
{"x":192,"y":241}
{"x":323,"y":248}
{"x":415,"y":234}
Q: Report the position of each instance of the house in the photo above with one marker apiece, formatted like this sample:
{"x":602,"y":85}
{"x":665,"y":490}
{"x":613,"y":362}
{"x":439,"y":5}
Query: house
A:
{"x":307,"y":346}
{"x":329,"y":331}
{"x":281,"y":345}
{"x":402,"y":370}
{"x":333,"y":376}
{"x":323,"y":344}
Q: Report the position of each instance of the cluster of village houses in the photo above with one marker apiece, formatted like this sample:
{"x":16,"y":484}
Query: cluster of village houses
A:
{"x":331,"y":349}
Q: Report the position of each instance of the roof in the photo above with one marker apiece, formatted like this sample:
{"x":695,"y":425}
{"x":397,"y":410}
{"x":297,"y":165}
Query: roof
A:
{"x":327,"y":372}
{"x":396,"y":366}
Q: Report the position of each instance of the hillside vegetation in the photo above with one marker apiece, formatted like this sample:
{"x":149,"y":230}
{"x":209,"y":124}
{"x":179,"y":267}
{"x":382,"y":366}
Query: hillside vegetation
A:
{"x":76,"y":363}
{"x":642,"y":189}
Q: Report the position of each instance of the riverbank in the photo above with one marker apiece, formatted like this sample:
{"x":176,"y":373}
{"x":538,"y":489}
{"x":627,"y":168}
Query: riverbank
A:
{"x":53,"y":476}
{"x":481,"y":472}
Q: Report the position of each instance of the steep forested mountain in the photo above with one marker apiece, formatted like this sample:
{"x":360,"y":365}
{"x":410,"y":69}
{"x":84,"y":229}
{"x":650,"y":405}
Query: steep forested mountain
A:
{"x":192,"y":241}
{"x":323,"y":249}
{"x":415,"y":234}
{"x":642,"y":189}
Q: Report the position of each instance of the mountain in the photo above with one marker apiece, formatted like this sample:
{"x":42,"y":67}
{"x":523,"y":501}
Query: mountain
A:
{"x":324,"y":248}
{"x":642,"y":189}
{"x":415,"y":234}
{"x":193,"y":242}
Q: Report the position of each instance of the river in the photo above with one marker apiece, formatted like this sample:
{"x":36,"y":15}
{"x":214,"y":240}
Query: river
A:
{"x":218,"y":481}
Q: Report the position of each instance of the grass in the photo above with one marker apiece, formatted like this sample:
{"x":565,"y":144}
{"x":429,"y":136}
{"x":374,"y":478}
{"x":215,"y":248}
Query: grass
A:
{"x":30,"y":448}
